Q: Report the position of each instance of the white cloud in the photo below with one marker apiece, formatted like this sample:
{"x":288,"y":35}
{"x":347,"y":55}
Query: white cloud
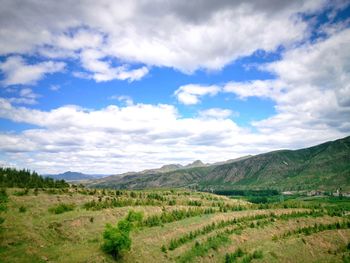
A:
{"x":126,"y":99}
{"x":216,"y":113}
{"x":55,"y":87}
{"x":119,"y":139}
{"x":179,"y":34}
{"x":26,"y":96}
{"x":311,"y":89}
{"x":190,"y":94}
{"x":17,"y":71}
{"x":102,"y":70}
{"x":256,"y":88}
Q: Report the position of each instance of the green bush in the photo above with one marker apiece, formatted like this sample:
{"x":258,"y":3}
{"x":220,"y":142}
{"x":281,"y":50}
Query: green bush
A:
{"x":232,"y":257}
{"x":61,"y":208}
{"x":21,"y":193}
{"x":22,"y":209}
{"x":3,"y":200}
{"x":134,"y":217}
{"x":117,"y":239}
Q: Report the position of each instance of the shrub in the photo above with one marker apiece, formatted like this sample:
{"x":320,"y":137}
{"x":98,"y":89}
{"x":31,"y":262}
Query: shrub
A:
{"x":175,"y":215}
{"x":61,"y":208}
{"x":134,"y":217}
{"x":163,"y":249}
{"x":200,"y":249}
{"x":3,"y":200}
{"x":230,"y":258}
{"x":22,"y":193}
{"x":172,"y":202}
{"x":116,"y":239}
{"x":22,"y":209}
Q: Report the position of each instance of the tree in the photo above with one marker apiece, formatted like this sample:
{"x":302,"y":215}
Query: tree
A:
{"x":117,"y":238}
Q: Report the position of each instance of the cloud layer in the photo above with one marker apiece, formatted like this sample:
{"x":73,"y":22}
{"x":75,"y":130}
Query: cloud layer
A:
{"x":119,"y":139}
{"x":190,"y":36}
{"x":101,"y":41}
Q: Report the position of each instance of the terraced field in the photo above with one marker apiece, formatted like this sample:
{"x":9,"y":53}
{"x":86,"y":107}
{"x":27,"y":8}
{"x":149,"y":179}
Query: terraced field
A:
{"x":66,"y":225}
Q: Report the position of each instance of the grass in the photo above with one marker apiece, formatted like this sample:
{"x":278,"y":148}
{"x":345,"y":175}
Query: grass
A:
{"x":32,"y":231}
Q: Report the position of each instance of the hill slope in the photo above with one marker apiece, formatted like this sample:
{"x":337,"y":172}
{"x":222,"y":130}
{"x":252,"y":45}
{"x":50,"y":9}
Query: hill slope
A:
{"x":325,"y":167}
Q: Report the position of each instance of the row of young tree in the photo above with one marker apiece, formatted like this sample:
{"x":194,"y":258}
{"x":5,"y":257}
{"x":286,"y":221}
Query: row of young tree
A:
{"x":241,"y":222}
{"x":11,"y":177}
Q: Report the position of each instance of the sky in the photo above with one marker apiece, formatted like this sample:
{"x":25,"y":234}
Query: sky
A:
{"x":114,"y":86}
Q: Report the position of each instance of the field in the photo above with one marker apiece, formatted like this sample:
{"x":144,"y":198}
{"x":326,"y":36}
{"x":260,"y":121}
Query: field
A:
{"x":66,"y":225}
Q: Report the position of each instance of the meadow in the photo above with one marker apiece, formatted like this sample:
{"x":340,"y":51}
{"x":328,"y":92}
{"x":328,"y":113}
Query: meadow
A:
{"x":177,"y":225}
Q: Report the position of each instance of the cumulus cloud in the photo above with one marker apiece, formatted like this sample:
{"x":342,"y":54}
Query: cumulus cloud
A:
{"x":133,"y":137}
{"x":17,"y":71}
{"x":311,"y":89}
{"x":190,"y":36}
{"x":102,"y":70}
{"x":190,"y":94}
{"x":141,"y":135}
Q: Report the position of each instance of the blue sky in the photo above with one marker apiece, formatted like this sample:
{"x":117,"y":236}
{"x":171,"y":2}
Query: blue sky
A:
{"x":110,"y":87}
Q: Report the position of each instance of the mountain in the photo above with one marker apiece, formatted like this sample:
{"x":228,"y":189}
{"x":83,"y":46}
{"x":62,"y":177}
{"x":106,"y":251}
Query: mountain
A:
{"x":74,"y":176}
{"x":324,"y":167}
{"x":197,"y":163}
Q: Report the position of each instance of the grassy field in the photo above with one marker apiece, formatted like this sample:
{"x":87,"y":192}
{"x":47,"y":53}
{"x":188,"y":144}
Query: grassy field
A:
{"x":66,"y":225}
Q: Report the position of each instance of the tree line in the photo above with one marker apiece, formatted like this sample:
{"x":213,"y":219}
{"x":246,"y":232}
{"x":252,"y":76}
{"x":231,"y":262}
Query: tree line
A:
{"x":11,"y":177}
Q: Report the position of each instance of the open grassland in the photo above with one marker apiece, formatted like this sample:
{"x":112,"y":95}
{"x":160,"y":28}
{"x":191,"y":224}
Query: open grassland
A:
{"x":66,"y":225}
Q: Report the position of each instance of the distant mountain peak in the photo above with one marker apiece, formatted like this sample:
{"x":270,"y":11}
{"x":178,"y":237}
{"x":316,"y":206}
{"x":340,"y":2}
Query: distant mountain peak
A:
{"x":197,"y":163}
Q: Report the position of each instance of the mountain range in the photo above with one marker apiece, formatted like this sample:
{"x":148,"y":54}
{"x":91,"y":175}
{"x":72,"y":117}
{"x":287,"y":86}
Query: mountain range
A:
{"x":324,"y":167}
{"x":75,"y":176}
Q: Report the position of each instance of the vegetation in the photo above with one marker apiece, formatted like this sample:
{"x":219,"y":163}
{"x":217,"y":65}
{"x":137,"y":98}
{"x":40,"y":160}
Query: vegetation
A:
{"x":258,"y":193}
{"x":3,"y":204}
{"x":241,"y":223}
{"x":232,"y":257}
{"x":246,"y":257}
{"x":11,"y":177}
{"x":318,"y":228}
{"x":37,"y":227}
{"x":201,"y":249}
{"x":175,"y":215}
{"x":117,"y":239}
{"x":61,"y":208}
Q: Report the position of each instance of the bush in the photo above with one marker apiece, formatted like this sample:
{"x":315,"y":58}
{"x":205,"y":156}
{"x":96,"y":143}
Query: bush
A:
{"x":230,"y":258}
{"x":3,"y":200}
{"x":163,"y":249}
{"x":22,"y":193}
{"x":22,"y":209}
{"x":134,"y":217}
{"x":61,"y":208}
{"x":116,"y":239}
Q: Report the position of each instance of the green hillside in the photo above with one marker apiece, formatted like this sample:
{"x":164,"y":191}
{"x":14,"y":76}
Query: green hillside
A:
{"x":324,"y":167}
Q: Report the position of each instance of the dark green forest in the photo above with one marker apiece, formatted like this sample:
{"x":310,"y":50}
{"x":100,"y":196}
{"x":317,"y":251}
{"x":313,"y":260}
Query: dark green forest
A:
{"x":11,"y":177}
